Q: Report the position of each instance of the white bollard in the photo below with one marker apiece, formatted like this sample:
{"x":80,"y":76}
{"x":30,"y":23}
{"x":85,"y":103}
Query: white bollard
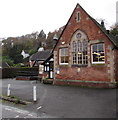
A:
{"x":8,"y":90}
{"x":34,"y":93}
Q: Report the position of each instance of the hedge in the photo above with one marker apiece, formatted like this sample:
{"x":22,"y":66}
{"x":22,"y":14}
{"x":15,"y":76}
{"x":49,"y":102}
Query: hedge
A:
{"x":13,"y":72}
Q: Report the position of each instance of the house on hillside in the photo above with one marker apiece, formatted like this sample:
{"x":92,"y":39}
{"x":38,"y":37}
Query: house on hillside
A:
{"x":85,"y":54}
{"x":24,"y":54}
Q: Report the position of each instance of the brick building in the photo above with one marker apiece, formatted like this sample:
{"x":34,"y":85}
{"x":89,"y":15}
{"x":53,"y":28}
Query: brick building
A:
{"x":85,"y":54}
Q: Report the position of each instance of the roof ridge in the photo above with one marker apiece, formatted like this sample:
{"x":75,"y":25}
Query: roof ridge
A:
{"x":110,"y":36}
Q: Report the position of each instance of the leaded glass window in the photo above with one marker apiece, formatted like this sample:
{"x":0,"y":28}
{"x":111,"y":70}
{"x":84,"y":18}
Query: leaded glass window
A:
{"x":79,"y":49}
{"x":79,"y":52}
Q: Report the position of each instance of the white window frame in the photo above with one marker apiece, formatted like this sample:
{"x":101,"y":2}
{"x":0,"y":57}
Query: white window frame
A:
{"x":60,"y":57}
{"x":92,"y":54}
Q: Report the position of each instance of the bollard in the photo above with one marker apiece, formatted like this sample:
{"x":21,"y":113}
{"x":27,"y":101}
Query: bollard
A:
{"x":34,"y":93}
{"x":8,"y":90}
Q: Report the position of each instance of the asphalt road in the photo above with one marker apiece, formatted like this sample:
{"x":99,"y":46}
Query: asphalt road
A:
{"x":13,"y":112}
{"x":64,"y":102}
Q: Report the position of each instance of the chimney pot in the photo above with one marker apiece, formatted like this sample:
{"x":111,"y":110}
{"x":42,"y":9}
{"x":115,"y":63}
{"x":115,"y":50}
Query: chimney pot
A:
{"x":102,"y":24}
{"x":107,"y":31}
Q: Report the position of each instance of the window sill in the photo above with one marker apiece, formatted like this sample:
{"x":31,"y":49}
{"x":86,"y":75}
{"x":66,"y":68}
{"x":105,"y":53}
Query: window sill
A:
{"x":63,"y":64}
{"x":102,"y":64}
{"x":76,"y":65}
{"x":98,"y":62}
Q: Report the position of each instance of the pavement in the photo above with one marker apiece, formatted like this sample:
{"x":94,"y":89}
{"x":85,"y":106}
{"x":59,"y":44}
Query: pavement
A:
{"x":64,"y":101}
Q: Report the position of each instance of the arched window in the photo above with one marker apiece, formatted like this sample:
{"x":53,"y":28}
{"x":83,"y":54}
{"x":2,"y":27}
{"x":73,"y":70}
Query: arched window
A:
{"x":79,"y":45}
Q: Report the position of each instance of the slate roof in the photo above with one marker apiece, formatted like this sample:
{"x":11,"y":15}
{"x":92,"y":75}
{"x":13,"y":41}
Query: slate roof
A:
{"x":47,"y":60}
{"x":113,"y":39}
{"x":41,"y":55}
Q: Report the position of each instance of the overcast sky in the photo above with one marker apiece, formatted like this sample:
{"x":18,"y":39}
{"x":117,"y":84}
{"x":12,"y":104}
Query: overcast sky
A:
{"x":20,"y":17}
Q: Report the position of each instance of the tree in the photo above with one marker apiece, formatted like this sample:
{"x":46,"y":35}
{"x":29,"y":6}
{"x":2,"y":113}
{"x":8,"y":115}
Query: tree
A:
{"x":32,"y":51}
{"x":41,"y":39}
{"x":114,"y":30}
{"x":49,"y":41}
{"x":15,"y":54}
{"x":18,"y":58}
{"x":7,"y":59}
{"x":42,"y":34}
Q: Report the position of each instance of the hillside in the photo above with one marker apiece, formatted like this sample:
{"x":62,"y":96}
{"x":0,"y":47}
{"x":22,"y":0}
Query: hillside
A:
{"x":30,"y":43}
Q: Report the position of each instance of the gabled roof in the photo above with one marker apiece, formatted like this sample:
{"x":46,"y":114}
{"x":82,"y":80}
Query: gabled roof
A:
{"x":41,"y":55}
{"x":109,"y":36}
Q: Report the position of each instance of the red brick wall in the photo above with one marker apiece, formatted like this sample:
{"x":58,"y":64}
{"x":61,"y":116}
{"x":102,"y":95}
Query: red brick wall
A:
{"x":91,"y":72}
{"x":97,"y":73}
{"x":88,"y":26}
{"x":116,"y":64}
{"x":89,"y":84}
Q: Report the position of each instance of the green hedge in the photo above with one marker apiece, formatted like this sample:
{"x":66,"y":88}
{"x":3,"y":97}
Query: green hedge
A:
{"x":13,"y":72}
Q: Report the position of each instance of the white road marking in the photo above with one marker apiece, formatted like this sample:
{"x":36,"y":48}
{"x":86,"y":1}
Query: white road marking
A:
{"x":39,"y":107}
{"x":17,"y":116}
{"x":8,"y":109}
{"x":33,"y":82}
{"x":20,"y":111}
{"x":30,"y":114}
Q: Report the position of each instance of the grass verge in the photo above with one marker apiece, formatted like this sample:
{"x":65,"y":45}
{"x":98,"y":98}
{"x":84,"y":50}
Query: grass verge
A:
{"x":14,"y":99}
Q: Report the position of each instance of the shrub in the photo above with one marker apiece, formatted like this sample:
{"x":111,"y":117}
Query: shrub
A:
{"x":13,"y":72}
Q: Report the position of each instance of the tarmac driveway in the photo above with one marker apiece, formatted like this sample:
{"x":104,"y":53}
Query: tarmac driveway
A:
{"x":64,"y":101}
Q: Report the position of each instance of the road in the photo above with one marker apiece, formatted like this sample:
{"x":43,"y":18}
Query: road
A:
{"x":13,"y":112}
{"x":63,"y":101}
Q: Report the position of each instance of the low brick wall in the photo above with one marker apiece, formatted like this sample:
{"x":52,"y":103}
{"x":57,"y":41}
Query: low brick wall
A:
{"x":95,"y":84}
{"x":22,"y":78}
{"x":28,"y":78}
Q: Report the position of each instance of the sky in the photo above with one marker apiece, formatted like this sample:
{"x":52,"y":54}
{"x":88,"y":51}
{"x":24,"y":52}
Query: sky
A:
{"x":20,"y":17}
